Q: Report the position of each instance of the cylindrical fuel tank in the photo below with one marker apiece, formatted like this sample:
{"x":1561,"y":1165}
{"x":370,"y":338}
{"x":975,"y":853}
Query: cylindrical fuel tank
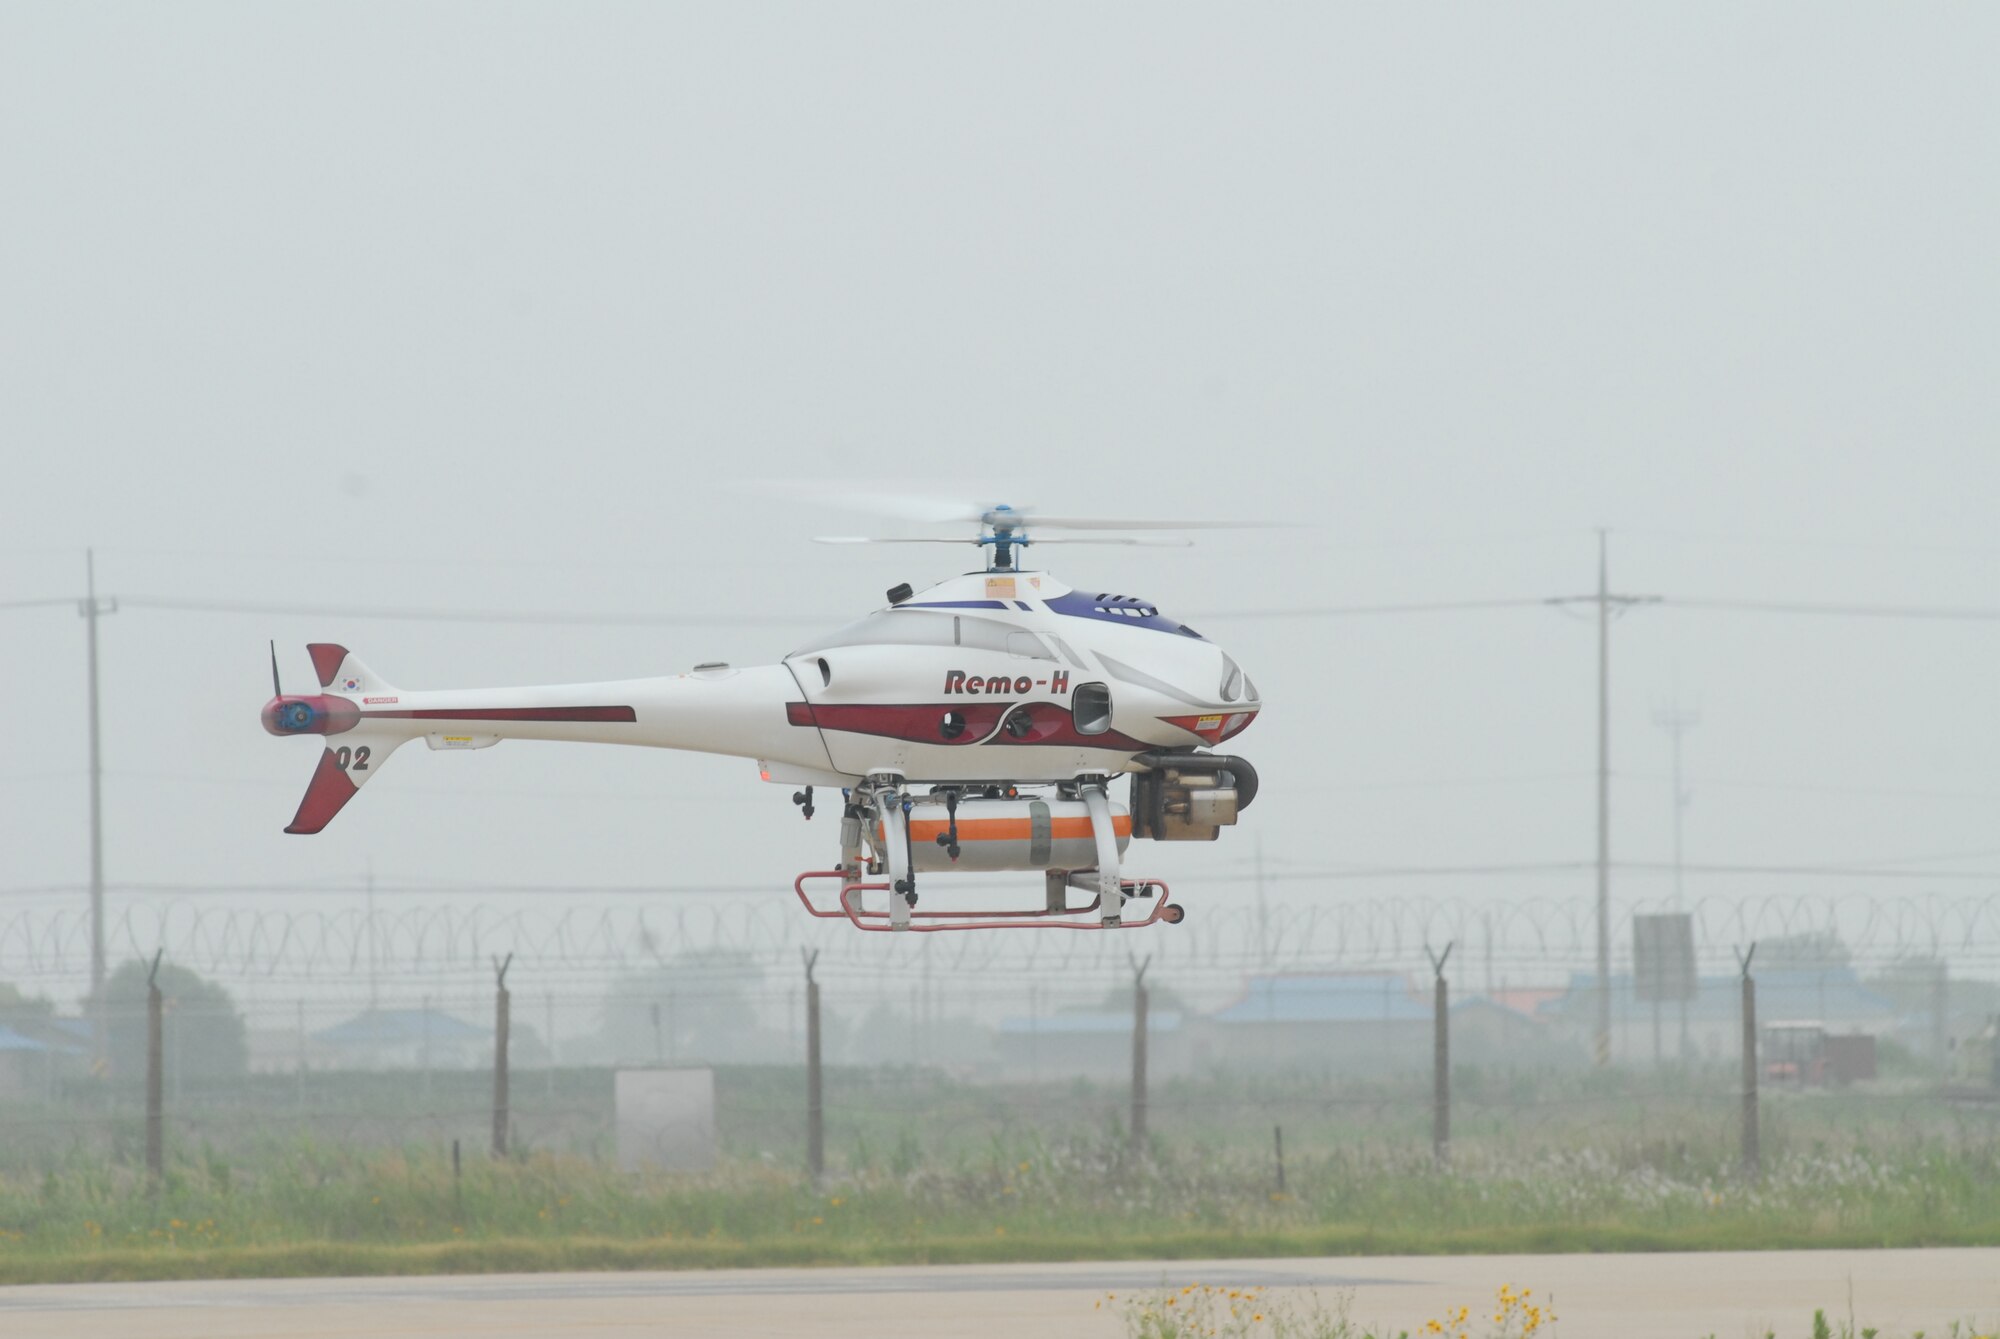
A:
{"x":1024,"y":833}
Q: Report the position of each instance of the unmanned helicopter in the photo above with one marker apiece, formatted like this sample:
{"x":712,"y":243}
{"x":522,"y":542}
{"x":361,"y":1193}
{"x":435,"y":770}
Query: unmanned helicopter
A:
{"x":977,"y":725}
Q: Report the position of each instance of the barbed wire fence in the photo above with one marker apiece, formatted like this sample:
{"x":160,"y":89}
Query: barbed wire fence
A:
{"x":362,"y":1029}
{"x":250,"y":944}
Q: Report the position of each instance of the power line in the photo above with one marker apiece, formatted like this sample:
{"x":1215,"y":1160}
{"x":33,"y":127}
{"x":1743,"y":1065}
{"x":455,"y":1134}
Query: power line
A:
{"x":289,"y":609}
{"x":571,"y":618}
{"x":1964,"y":613}
{"x":1348,"y":610}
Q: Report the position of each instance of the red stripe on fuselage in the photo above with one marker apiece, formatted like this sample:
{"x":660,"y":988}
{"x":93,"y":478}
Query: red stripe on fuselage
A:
{"x":920,"y":724}
{"x":508,"y":714}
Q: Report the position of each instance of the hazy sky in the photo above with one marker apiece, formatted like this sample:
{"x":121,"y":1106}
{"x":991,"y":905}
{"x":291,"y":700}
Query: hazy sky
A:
{"x":482,"y":306}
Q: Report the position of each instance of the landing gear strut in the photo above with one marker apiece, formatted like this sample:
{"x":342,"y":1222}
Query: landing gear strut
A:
{"x":877,"y":830}
{"x":902,"y":914}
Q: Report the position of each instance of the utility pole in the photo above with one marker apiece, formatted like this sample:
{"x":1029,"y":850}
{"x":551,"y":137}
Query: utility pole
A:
{"x":1676,"y":722}
{"x":1606,"y":602}
{"x":92,"y":609}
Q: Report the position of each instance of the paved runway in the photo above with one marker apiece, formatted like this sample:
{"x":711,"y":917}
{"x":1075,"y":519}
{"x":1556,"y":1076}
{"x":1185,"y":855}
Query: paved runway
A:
{"x":1629,"y":1296}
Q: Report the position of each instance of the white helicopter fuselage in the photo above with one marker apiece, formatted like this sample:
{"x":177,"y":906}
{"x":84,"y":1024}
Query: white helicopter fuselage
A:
{"x":1014,"y":677}
{"x":988,"y":677}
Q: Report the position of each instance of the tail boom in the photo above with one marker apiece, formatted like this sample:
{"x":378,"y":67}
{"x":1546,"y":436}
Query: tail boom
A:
{"x":741,"y":713}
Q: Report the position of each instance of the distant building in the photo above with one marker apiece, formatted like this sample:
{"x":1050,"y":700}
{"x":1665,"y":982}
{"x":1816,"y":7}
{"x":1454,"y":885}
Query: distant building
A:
{"x":1490,"y":1033}
{"x":29,"y":1063}
{"x":1832,"y":995}
{"x":1333,"y":1022}
{"x":405,"y":1039}
{"x":1092,"y":1045}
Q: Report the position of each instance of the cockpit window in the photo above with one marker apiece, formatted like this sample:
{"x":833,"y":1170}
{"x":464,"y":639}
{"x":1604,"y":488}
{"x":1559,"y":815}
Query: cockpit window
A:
{"x":924,"y":627}
{"x":895,"y":627}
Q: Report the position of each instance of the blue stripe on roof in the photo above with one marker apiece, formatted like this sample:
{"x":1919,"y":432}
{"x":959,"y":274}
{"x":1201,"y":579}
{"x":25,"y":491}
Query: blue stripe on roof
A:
{"x":1078,"y":605}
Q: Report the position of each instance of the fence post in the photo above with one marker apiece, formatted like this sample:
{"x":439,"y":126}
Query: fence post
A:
{"x":1751,"y":1154}
{"x":1941,"y":1021}
{"x":155,"y":1064}
{"x":502,"y":1001}
{"x":1440,"y":1059}
{"x":1278,"y":1142}
{"x":302,"y":1055}
{"x":815,"y":1109}
{"x":1139,"y":994}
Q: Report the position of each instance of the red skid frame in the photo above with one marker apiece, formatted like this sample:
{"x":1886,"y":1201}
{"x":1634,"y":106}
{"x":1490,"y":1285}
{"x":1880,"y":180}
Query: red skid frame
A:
{"x":878,"y":921}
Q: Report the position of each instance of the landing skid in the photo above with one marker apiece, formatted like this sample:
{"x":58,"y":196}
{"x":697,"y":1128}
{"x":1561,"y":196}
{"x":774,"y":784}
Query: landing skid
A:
{"x":1055,"y":918}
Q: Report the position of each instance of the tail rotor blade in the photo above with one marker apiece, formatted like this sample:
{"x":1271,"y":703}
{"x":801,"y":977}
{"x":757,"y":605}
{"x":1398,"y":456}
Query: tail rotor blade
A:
{"x":277,"y":690}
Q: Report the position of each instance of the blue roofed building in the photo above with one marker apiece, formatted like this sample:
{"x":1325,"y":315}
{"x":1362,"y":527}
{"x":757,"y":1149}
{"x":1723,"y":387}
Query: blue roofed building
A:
{"x":1095,"y":1044}
{"x":1335,"y":1022}
{"x":30,"y":1058}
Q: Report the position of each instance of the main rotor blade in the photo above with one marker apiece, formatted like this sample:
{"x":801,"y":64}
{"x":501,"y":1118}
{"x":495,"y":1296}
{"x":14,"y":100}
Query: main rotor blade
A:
{"x":933,"y":509}
{"x":1035,"y":518}
{"x":1149,"y":543}
{"x":1029,"y":542}
{"x":869,"y":539}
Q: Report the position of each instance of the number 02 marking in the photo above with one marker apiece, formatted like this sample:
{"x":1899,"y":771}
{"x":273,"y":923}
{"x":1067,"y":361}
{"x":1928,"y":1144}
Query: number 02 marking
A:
{"x":357,"y":759}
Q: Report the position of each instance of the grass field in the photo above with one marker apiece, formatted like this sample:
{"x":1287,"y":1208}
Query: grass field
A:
{"x":312,"y":1209}
{"x":962,"y":1173}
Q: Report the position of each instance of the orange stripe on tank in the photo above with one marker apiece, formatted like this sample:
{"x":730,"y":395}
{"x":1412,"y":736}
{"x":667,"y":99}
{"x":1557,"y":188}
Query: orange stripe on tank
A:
{"x":1007,"y":829}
